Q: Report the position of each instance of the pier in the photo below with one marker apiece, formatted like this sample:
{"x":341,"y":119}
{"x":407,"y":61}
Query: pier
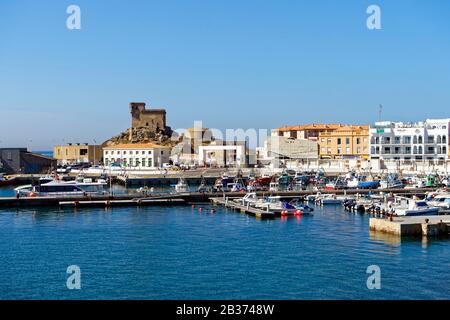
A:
{"x":427,"y":226}
{"x":232,"y":204}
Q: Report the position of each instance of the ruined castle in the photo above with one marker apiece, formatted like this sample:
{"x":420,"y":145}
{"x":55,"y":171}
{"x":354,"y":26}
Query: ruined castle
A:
{"x":152,"y":119}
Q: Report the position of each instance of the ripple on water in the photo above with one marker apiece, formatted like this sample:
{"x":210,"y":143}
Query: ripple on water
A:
{"x":180,"y":253}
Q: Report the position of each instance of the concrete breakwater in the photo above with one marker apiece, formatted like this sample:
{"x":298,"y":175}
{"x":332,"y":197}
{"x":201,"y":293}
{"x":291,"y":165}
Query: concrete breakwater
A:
{"x":427,"y":226}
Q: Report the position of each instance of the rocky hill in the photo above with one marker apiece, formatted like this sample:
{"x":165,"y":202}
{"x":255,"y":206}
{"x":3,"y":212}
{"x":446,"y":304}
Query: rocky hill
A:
{"x":143,"y":135}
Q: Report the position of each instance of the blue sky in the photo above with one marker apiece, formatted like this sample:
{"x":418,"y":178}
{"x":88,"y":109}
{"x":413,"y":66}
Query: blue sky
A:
{"x":231,"y":64}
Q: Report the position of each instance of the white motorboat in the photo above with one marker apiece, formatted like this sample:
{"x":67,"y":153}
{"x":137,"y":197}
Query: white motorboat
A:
{"x":182,"y":186}
{"x":272,"y":203}
{"x":441,"y":201}
{"x":411,"y":207}
{"x":62,"y":189}
{"x":329,"y":199}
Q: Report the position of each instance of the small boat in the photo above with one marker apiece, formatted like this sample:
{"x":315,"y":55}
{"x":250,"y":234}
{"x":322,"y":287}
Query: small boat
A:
{"x":296,"y":204}
{"x":6,"y":181}
{"x":330,"y":199}
{"x":441,"y":201}
{"x":182,"y":186}
{"x":415,"y":208}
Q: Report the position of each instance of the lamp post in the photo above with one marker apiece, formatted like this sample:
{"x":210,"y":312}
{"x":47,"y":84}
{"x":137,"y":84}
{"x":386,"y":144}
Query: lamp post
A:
{"x":95,"y":147}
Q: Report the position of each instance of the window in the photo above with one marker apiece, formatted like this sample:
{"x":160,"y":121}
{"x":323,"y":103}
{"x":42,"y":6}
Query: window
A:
{"x":358,"y":150}
{"x":143,"y":152}
{"x":358,"y":140}
{"x":322,"y":140}
{"x":430,"y":139}
{"x":106,"y":152}
{"x":444,"y":139}
{"x":397,"y":140}
{"x":83,"y":152}
{"x":407,"y":140}
{"x":131,"y":152}
{"x":339,"y":151}
{"x":328,"y":141}
{"x":124,"y":152}
{"x":143,"y":161}
{"x":347,"y":150}
{"x":150,"y":162}
{"x":420,"y":139}
{"x":339,"y":141}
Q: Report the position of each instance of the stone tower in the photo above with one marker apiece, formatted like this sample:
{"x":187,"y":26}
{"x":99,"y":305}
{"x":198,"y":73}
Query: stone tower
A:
{"x":153,"y":119}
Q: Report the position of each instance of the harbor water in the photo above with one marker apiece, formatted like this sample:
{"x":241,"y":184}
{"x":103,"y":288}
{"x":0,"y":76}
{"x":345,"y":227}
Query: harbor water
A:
{"x":184,"y":253}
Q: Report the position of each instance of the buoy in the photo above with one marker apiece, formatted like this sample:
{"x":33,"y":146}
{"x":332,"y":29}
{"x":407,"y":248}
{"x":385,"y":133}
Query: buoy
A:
{"x":201,"y":209}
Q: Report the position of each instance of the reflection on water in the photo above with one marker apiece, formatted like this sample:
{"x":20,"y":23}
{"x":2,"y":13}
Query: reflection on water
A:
{"x":387,"y":238}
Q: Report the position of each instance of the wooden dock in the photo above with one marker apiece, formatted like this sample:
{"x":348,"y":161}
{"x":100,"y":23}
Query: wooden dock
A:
{"x":234,"y":205}
{"x":427,"y":226}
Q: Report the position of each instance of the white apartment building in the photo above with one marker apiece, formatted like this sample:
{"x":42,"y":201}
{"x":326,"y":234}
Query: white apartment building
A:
{"x":134,"y":155}
{"x":428,"y":140}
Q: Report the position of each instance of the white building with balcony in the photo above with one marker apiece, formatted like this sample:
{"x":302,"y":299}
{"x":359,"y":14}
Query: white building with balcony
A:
{"x":428,"y":140}
{"x":136,"y":155}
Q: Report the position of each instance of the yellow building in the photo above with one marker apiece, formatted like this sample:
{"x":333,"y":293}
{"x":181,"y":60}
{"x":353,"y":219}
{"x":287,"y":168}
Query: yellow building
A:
{"x":348,"y":141}
{"x":73,"y":153}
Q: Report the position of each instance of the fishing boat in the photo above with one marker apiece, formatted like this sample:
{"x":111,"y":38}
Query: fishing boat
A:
{"x":339,"y":183}
{"x":391,"y":182}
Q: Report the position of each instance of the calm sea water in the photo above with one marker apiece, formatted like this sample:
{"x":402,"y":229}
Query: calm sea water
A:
{"x":182,"y":253}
